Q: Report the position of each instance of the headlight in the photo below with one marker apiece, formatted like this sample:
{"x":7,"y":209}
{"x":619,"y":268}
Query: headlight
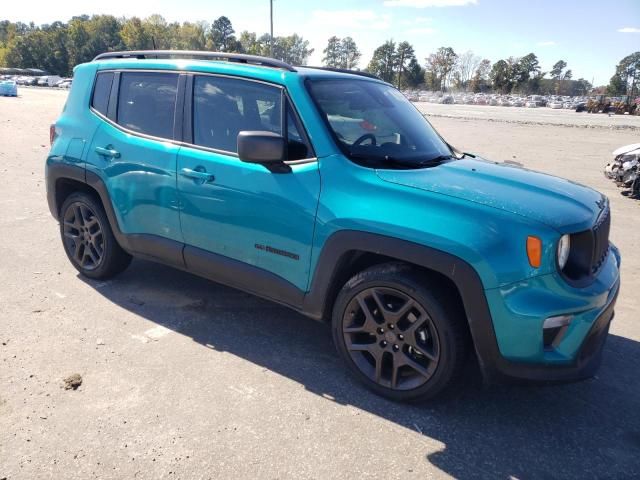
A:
{"x":564,"y":245}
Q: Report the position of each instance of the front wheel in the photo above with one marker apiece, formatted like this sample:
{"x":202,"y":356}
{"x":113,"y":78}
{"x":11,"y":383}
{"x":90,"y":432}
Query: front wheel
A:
{"x":88,"y":239}
{"x":401,"y":335}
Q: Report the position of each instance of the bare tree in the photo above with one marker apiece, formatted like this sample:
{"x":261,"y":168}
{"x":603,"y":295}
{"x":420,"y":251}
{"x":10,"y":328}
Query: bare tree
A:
{"x":465,"y":68}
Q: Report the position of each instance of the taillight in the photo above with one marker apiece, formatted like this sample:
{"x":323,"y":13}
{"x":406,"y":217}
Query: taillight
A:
{"x":52,"y":133}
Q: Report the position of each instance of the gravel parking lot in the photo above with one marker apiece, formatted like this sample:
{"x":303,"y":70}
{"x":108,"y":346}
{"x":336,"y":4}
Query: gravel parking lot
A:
{"x":183,"y":378}
{"x":531,"y":116}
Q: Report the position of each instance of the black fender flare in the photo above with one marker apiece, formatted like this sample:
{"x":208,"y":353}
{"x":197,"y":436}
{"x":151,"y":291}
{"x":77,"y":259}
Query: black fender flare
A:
{"x":149,"y":246}
{"x":341,"y":244}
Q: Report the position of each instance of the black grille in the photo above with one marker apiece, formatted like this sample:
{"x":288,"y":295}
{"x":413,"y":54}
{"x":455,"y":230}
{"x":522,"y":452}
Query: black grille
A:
{"x":589,"y":250}
{"x":601,"y":240}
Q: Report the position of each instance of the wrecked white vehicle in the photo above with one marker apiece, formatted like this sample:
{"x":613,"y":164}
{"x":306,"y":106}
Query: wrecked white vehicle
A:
{"x":625,"y":168}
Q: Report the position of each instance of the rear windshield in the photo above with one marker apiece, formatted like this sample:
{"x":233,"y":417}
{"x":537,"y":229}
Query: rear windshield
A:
{"x":374,"y":123}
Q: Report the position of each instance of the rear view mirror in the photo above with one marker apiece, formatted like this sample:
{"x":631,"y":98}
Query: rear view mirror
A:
{"x":266,"y":148}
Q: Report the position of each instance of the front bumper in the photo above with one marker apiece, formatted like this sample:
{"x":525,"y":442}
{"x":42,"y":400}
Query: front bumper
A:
{"x":515,"y":349}
{"x":584,"y":365}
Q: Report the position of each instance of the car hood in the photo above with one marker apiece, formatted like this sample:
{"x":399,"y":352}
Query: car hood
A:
{"x":556,"y":202}
{"x":632,"y":149}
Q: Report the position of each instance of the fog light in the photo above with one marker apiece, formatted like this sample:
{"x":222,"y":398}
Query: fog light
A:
{"x":560,"y":321}
{"x":553,"y":329}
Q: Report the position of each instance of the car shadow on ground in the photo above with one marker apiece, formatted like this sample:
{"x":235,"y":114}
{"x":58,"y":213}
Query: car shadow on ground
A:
{"x":589,"y":429}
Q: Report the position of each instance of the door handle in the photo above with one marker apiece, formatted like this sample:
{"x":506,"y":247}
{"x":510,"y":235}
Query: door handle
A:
{"x":108,"y":152}
{"x":199,"y":175}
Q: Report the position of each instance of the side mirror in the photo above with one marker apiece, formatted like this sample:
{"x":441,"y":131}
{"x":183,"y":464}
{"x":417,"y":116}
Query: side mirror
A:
{"x":266,"y":148}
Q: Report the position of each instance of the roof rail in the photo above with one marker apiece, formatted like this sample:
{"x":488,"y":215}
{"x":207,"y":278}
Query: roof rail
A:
{"x":229,"y":57}
{"x":346,"y":70}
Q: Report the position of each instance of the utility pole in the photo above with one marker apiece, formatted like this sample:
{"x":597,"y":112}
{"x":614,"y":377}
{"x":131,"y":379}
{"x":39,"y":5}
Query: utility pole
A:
{"x":271,"y":22}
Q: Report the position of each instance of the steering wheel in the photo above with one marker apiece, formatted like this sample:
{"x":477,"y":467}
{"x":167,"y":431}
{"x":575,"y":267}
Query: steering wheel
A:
{"x":366,"y":136}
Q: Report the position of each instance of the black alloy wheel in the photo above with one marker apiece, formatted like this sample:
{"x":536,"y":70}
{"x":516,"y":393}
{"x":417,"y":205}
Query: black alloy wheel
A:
{"x":400,"y":331}
{"x":88,"y":238}
{"x":83,"y":236}
{"x":391,"y":338}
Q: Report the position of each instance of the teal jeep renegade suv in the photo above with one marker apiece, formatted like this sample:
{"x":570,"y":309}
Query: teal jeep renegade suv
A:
{"x":328,"y":192}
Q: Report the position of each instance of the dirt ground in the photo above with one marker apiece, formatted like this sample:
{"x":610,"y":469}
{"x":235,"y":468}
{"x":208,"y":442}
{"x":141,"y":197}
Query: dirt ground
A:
{"x":183,"y":378}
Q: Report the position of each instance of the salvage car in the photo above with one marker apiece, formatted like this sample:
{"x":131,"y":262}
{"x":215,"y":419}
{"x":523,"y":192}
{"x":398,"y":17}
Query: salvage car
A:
{"x":330,"y":193}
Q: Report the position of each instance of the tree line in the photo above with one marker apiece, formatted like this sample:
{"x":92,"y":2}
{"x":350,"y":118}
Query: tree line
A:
{"x":446,"y":70}
{"x":59,"y":46}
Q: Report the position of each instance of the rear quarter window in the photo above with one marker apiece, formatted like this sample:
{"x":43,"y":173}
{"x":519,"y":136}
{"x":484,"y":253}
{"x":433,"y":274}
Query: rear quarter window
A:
{"x":147,"y":102}
{"x":101,"y":92}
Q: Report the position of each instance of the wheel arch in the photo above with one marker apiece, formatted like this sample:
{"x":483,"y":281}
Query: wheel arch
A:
{"x":64,"y":179}
{"x":347,"y":252}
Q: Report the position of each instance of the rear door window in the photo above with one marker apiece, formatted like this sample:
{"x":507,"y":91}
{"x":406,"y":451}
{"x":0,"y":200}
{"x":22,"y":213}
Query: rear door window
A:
{"x":101,"y":92}
{"x":147,"y":102}
{"x":224,"y":107}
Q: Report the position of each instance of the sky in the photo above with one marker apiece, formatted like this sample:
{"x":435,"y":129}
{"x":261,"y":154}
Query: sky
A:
{"x":591,"y":36}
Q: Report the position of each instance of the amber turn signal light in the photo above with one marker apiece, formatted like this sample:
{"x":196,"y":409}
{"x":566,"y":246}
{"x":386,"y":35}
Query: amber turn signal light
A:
{"x":534,"y":251}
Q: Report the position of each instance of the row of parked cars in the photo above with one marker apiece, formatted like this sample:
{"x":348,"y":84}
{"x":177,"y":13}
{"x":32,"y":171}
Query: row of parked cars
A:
{"x":38,"y":81}
{"x":531,"y":101}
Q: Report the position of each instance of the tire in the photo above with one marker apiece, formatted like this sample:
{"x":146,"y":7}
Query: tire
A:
{"x":420,"y":338}
{"x":88,"y":240}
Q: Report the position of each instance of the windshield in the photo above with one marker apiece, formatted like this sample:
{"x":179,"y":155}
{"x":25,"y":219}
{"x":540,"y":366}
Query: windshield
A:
{"x":374,"y":122}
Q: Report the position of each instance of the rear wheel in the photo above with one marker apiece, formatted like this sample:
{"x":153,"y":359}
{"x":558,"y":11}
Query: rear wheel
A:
{"x":88,"y":239}
{"x":401,"y":335}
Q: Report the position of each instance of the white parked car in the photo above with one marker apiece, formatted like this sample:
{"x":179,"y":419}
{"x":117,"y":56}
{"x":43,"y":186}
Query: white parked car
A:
{"x":531,"y":104}
{"x":555,"y":104}
{"x":49,"y":80}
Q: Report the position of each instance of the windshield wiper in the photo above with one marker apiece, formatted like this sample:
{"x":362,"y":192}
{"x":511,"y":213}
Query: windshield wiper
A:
{"x":435,"y":160}
{"x":386,"y":159}
{"x":411,"y":162}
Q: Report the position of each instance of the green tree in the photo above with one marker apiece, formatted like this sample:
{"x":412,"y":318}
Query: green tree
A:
{"x":439,"y":67}
{"x":404,"y":55}
{"x":222,"y":36}
{"x":383,"y":62}
{"x":558,"y":67}
{"x":292,"y":49}
{"x":527,"y":74}
{"x":414,"y":75}
{"x":349,"y":53}
{"x":250,"y":44}
{"x":626,"y":80}
{"x":333,"y":53}
{"x":190,"y":36}
{"x":135,"y":36}
{"x":480,"y":80}
{"x":501,"y":76}
{"x":617,"y":85}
